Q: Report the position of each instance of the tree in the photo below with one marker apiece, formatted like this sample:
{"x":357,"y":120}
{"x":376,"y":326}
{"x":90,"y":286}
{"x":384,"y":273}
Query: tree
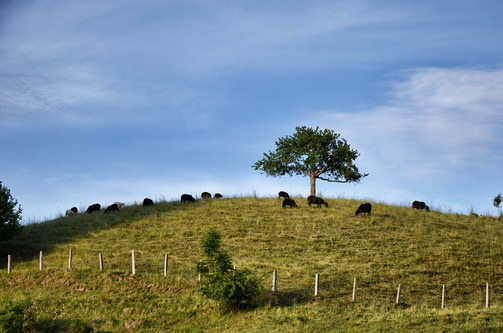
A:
{"x":497,"y":202}
{"x":9,"y":214}
{"x":318,"y":154}
{"x":221,"y":282}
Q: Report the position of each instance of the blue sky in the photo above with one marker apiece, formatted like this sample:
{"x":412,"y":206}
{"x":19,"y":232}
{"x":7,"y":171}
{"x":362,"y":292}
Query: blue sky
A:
{"x":104,"y":101}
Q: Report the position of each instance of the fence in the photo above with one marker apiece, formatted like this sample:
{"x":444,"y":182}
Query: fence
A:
{"x":273,"y":283}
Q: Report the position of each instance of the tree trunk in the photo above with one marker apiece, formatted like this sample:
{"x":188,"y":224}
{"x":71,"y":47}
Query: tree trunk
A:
{"x":312,"y":179}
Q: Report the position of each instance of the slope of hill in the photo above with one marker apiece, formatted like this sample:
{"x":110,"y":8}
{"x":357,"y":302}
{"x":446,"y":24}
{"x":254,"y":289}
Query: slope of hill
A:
{"x":418,"y":250}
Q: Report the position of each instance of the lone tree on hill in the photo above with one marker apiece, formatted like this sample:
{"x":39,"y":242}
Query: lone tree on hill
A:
{"x":9,"y":214}
{"x":497,"y":202}
{"x":318,"y":154}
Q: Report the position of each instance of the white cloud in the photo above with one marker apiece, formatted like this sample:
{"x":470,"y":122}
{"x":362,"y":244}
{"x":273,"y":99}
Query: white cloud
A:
{"x":447,"y":116}
{"x":438,"y":123}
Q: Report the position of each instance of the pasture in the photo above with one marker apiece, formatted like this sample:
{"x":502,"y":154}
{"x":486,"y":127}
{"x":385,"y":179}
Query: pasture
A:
{"x":394,"y":246}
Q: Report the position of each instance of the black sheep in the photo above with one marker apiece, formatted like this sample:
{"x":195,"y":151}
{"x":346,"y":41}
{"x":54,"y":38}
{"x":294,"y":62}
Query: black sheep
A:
{"x":93,"y":208}
{"x":289,"y":202}
{"x":365,"y":208}
{"x":283,"y":194}
{"x":187,"y":198}
{"x":148,"y":202}
{"x":112,"y":208}
{"x":316,"y":200}
{"x":420,"y":205}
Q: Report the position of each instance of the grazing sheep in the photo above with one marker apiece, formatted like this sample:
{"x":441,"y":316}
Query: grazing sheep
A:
{"x":316,"y":200}
{"x":283,"y":194}
{"x":289,"y":202}
{"x":206,"y":195}
{"x":420,"y":205}
{"x":112,"y":208}
{"x":187,"y":198}
{"x":71,"y":211}
{"x":218,"y":196}
{"x":93,"y":208}
{"x":365,"y":208}
{"x":148,"y":202}
{"x":119,"y":204}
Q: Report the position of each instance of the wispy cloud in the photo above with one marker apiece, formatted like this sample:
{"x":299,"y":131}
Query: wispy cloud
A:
{"x":85,"y":53}
{"x":63,"y":88}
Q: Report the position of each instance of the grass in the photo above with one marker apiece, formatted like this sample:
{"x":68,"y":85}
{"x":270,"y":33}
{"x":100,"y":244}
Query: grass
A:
{"x":396,"y":245}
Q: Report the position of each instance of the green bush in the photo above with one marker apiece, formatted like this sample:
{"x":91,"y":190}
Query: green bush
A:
{"x":230,"y":288}
{"x":9,"y":214}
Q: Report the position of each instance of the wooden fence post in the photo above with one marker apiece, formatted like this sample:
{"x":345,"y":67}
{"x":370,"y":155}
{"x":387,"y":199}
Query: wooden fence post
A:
{"x":41,"y":261}
{"x":487,"y":294}
{"x":166,"y":261}
{"x":316,"y":284}
{"x":101,"y":261}
{"x":398,"y":294}
{"x":274,"y":280}
{"x":133,"y":268}
{"x":354,"y":290}
{"x":443,"y":296}
{"x":9,"y":263}
{"x":70,"y":259}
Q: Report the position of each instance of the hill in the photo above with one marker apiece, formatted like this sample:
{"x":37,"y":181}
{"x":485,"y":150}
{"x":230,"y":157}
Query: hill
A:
{"x":418,"y":250}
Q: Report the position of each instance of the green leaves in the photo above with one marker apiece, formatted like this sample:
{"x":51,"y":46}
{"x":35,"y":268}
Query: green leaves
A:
{"x":312,"y":152}
{"x":221,"y":283}
{"x":9,"y":214}
{"x":497,"y":202}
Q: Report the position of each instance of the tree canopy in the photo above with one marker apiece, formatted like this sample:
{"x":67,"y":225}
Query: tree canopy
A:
{"x":9,"y":214}
{"x":497,"y":202}
{"x":318,"y":154}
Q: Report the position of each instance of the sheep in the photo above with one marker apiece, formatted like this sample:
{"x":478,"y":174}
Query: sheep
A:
{"x":289,"y":202}
{"x":283,"y":194}
{"x":365,"y":208}
{"x":93,"y":208}
{"x":420,"y":205}
{"x":316,"y":200}
{"x":112,"y":208}
{"x":148,"y":202}
{"x":187,"y":198}
{"x":71,"y":211}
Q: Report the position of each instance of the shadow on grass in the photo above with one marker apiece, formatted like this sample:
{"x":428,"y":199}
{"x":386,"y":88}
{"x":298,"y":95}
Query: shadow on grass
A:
{"x":288,"y":298}
{"x":48,"y":235}
{"x":62,"y":325}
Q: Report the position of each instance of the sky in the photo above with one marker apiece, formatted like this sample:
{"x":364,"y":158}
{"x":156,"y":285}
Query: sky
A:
{"x":118,"y":100}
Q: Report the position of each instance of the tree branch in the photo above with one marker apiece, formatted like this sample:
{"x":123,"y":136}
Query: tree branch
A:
{"x":333,"y":180}
{"x":319,"y":173}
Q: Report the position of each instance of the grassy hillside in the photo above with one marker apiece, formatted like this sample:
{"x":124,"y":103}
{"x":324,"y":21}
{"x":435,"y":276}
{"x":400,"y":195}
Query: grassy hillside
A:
{"x":396,"y":245}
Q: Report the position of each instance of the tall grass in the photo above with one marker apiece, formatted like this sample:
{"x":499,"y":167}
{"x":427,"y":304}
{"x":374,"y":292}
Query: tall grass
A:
{"x":396,"y":245}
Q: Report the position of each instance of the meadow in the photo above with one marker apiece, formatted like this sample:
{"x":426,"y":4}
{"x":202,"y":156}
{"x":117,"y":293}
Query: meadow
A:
{"x":418,"y":250}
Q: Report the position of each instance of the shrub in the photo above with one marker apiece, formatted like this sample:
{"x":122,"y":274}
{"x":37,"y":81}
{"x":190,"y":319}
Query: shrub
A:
{"x":230,"y":288}
{"x":9,"y":215}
